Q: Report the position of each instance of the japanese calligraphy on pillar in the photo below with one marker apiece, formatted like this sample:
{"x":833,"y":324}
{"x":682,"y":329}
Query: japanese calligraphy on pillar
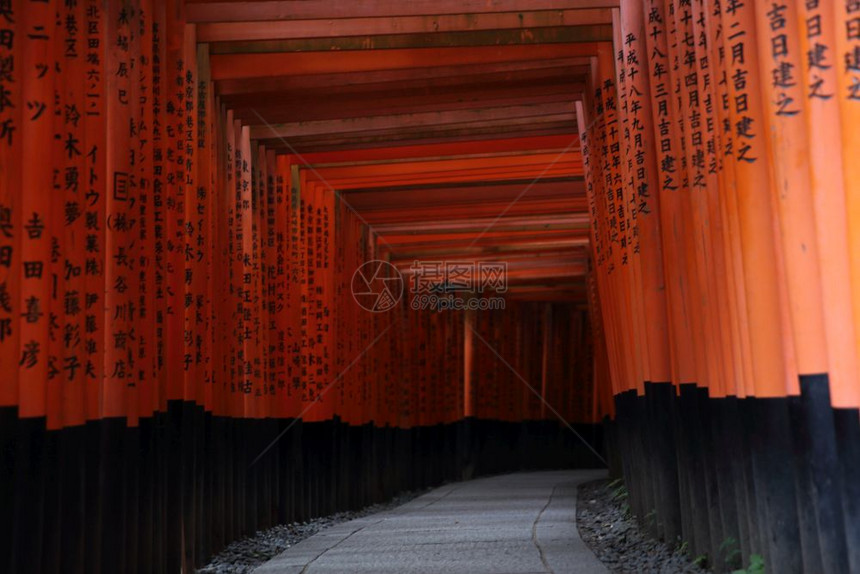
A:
{"x":192,"y":237}
{"x":689,"y":71}
{"x":643,"y":187}
{"x":779,"y":53}
{"x":755,"y":216}
{"x":52,"y":228}
{"x":68,"y":307}
{"x":254,"y":326}
{"x":187,"y":213}
{"x":202,"y":231}
{"x":820,"y":34}
{"x":241,"y":228}
{"x":278,"y":219}
{"x":94,"y":204}
{"x":325,"y":293}
{"x":609,"y":148}
{"x":273,"y":256}
{"x":295,"y":329}
{"x":848,"y":42}
{"x":783,"y":72}
{"x":174,"y":206}
{"x":10,"y":197}
{"x":120,"y":221}
{"x":146,"y":371}
{"x":10,"y":80}
{"x":660,"y":90}
{"x":635,"y":131}
{"x":136,"y":38}
{"x":159,"y":134}
{"x":307,"y":285}
{"x":245,"y":209}
{"x":233,"y":193}
{"x":619,"y":221}
{"x":745,"y":124}
{"x":37,"y":129}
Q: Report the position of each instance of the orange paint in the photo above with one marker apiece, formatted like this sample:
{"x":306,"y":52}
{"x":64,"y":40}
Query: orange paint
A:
{"x":643,"y":174}
{"x":755,"y":213}
{"x":788,"y":157}
{"x":845,"y":43}
{"x":37,"y":87}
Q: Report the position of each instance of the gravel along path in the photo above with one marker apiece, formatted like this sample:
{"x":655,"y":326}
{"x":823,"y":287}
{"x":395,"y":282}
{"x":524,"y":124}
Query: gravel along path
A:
{"x":243,"y":556}
{"x":605,"y":524}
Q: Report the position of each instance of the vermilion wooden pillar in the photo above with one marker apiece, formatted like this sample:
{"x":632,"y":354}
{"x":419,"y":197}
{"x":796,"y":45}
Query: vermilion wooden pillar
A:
{"x":233,"y":194}
{"x":627,"y":205}
{"x":668,"y":150}
{"x":642,"y":185}
{"x":174,"y":202}
{"x":601,"y":179}
{"x":160,"y":191}
{"x":755,"y":213}
{"x":144,"y":272}
{"x":244,"y":204}
{"x":599,"y":314}
{"x":741,"y":368}
{"x":779,"y":53}
{"x":209,"y":222}
{"x":468,"y":365}
{"x":71,"y":360}
{"x":37,"y":88}
{"x":691,"y":191}
{"x":10,"y":201}
{"x":706,"y":129}
{"x":828,"y":195}
{"x":845,"y":41}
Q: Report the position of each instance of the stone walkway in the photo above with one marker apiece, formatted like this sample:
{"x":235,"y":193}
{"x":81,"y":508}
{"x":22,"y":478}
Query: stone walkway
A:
{"x":520,"y":523}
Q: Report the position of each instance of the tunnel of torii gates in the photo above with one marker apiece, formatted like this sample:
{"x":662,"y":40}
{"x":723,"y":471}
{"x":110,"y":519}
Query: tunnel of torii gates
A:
{"x":188,"y":190}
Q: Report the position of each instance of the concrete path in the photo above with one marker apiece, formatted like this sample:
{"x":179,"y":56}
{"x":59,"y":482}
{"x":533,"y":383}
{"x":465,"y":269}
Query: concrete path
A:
{"x":520,"y":523}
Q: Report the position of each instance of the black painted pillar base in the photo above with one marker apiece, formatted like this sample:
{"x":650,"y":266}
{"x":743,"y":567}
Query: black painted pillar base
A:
{"x":733,"y":478}
{"x":166,"y":495}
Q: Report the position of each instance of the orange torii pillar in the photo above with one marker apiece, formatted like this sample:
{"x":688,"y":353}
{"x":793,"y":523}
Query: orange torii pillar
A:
{"x":744,"y":106}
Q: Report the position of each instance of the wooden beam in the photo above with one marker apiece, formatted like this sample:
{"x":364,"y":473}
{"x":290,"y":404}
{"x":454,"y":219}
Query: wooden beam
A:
{"x":376,"y":200}
{"x":507,"y":247}
{"x":531,"y":36}
{"x":417,"y":77}
{"x":514,"y":144}
{"x":537,"y":223}
{"x":442,"y":166}
{"x":489,"y":235}
{"x":571,"y":248}
{"x":505,"y":115}
{"x":466,"y":187}
{"x":578,"y":286}
{"x":419,"y":137}
{"x":418,"y":86}
{"x":341,"y":106}
{"x":486,"y":174}
{"x":465,"y":156}
{"x":236,"y":66}
{"x":386,"y":26}
{"x":479,"y":209}
{"x":264,"y":11}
